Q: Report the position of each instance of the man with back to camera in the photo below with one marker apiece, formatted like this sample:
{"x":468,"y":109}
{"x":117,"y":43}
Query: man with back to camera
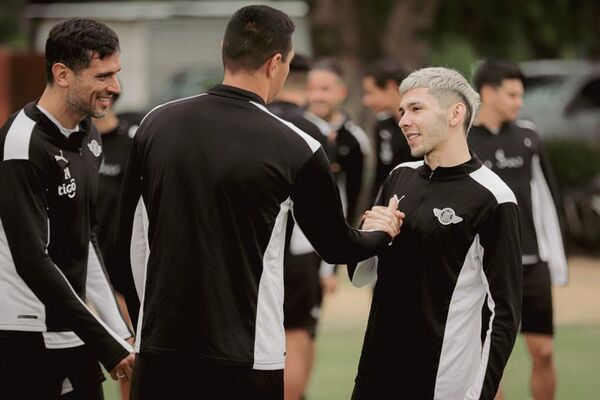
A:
{"x":459,"y":251}
{"x":513,"y":149}
{"x":380,"y":84}
{"x":213,"y":178}
{"x":302,"y":265}
{"x":50,"y":341}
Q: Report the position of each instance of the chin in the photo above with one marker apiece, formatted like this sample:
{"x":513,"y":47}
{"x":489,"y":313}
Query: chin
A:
{"x":98,"y":114}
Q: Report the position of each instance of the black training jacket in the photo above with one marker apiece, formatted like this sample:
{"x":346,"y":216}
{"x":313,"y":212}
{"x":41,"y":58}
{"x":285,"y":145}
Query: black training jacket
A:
{"x":208,"y":188}
{"x":428,"y":336}
{"x":49,"y":267}
{"x":516,"y":153}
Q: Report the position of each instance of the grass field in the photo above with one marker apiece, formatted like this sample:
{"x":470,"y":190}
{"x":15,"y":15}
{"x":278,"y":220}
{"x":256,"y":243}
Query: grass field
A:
{"x":577,"y":342}
{"x":578,"y":360}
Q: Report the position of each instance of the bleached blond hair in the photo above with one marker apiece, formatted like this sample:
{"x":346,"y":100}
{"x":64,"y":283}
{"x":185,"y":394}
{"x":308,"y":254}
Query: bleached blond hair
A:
{"x":448,"y":86}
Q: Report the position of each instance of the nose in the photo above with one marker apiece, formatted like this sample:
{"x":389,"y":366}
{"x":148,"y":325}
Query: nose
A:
{"x":519,"y":102}
{"x":114,"y":85}
{"x":404,"y":121}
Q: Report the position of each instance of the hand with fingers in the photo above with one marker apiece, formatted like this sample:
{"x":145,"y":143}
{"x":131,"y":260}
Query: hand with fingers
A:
{"x":123,"y":370}
{"x":388,"y":219}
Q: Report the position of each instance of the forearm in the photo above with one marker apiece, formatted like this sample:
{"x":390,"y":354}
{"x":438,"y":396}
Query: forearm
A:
{"x":322,"y":220}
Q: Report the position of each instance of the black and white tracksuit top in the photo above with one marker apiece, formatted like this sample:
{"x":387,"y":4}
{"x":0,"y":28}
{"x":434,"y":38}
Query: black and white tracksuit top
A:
{"x":391,"y":147}
{"x":351,"y":148}
{"x":517,"y":155}
{"x":48,"y":265}
{"x":208,"y":188}
{"x":458,"y":251}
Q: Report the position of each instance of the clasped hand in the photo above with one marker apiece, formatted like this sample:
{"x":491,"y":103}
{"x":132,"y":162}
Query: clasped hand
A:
{"x":388,"y":219}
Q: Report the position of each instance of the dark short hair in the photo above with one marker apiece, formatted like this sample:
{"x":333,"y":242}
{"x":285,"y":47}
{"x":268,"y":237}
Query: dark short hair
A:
{"x":74,"y":42}
{"x":253,"y":35}
{"x":384,"y":70}
{"x":493,"y":72}
{"x":329,"y":64}
{"x":299,"y":67}
{"x":300,"y":63}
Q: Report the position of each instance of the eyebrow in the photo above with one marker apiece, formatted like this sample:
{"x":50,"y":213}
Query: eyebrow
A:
{"x":107,"y":73}
{"x":411,"y":104}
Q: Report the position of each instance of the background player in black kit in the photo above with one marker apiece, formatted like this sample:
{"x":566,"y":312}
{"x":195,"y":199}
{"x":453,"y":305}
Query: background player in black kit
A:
{"x":301,"y":265}
{"x":459,"y":251}
{"x":380,"y":83}
{"x":327,"y":92}
{"x":215,"y":177}
{"x":50,"y":340}
{"x":513,"y":149}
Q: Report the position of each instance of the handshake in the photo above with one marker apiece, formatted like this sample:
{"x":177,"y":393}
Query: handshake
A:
{"x":388,"y":219}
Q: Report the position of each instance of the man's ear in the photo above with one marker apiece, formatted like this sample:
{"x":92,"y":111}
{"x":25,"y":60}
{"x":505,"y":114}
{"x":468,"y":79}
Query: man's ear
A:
{"x":457,"y":114}
{"x":62,"y":74}
{"x":273,"y":63}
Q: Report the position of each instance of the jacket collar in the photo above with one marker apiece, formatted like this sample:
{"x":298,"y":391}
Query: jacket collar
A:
{"x":442,"y":173}
{"x":33,"y":112}
{"x":236,"y":93}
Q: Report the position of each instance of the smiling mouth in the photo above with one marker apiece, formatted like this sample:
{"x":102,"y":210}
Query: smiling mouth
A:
{"x":104,"y":99}
{"x":411,"y":137}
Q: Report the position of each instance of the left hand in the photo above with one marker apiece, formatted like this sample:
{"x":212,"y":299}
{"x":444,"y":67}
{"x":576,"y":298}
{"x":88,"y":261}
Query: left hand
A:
{"x":124,"y":369}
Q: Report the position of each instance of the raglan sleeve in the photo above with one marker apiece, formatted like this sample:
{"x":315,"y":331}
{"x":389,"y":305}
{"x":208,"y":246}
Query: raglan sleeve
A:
{"x":318,"y":211}
{"x":100,"y":293}
{"x":24,"y":219}
{"x":503,"y":277}
{"x":364,"y":272}
{"x":130,"y":247}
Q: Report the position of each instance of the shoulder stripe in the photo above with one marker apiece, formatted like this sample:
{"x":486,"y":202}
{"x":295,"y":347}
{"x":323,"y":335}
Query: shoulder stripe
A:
{"x":320,"y":123}
{"x":489,"y":180}
{"x":16,"y":145}
{"x":360,"y":136}
{"x":170,"y":102}
{"x":408,"y":164}
{"x":524,"y":123}
{"x":312,"y":143}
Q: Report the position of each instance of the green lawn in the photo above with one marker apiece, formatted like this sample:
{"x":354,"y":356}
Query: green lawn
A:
{"x":578,"y":360}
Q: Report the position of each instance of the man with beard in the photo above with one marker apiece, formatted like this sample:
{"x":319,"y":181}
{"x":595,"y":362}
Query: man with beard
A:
{"x":50,"y":341}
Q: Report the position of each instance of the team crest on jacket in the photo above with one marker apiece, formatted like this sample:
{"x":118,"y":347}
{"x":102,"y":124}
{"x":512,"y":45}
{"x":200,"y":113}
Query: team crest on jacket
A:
{"x":446,"y":216}
{"x":95,"y":148}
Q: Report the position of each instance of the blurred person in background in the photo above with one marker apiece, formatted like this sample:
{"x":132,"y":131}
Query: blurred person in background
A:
{"x":380,"y":83}
{"x":327,"y":92}
{"x":459,"y":244}
{"x":50,"y":340}
{"x":349,"y":145}
{"x":215,"y":178}
{"x":117,"y":137}
{"x":301,"y":265}
{"x":514,"y":150}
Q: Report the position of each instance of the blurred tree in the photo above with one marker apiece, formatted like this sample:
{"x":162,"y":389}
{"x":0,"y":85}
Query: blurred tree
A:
{"x":359,"y":31}
{"x":455,"y":33}
{"x":10,"y":17}
{"x":520,"y":30}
